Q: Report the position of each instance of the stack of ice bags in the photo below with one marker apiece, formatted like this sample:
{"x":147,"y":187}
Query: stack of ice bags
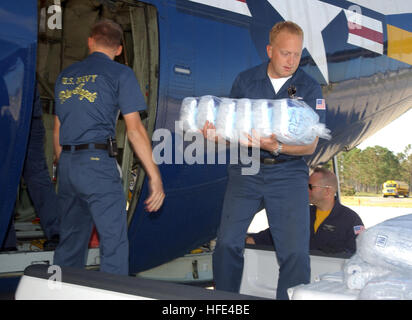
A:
{"x":291,"y":120}
{"x":382,"y":265}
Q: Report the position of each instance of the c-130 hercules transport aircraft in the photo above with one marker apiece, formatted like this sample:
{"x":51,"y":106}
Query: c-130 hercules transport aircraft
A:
{"x":359,"y":51}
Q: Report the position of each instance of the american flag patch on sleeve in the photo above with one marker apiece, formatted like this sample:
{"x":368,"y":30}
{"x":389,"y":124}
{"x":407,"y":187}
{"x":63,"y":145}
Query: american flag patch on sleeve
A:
{"x":320,"y":104}
{"x":358,"y":229}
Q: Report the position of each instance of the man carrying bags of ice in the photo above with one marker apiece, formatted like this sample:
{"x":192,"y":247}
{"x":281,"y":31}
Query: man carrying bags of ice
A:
{"x":281,"y":185}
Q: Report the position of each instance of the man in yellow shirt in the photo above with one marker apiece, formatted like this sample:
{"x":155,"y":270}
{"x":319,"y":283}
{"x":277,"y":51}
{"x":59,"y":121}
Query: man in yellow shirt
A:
{"x":334,"y":227}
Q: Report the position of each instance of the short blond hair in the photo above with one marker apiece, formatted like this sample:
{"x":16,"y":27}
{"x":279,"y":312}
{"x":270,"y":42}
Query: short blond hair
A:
{"x":289,"y":26}
{"x":107,"y":33}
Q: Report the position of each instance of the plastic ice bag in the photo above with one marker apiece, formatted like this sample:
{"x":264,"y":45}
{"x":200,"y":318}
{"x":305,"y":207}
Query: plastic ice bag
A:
{"x":357,"y":273}
{"x":294,"y":122}
{"x":390,"y":287}
{"x":261,"y":117}
{"x":243,"y":123}
{"x":188,"y":112}
{"x":225,"y":119}
{"x":388,"y":244}
{"x":206,"y":110}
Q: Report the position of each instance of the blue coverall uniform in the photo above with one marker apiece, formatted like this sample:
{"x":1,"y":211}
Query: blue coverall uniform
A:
{"x":336,"y":234}
{"x":89,"y":95}
{"x":282,"y":189}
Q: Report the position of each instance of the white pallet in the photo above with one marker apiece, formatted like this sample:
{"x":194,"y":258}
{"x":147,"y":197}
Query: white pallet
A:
{"x":16,"y":262}
{"x":328,"y":287}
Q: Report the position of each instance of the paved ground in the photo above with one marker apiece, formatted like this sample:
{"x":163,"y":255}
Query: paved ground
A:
{"x":374,"y":215}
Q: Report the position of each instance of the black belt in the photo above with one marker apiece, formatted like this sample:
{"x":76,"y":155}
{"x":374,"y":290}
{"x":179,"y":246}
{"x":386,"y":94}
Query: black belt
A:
{"x":275,"y":161}
{"x":85,"y":146}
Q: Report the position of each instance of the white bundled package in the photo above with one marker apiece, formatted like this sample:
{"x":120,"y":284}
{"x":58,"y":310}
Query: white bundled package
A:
{"x":390,"y":287}
{"x":357,"y":273}
{"x":225,"y":119}
{"x":388,"y":244}
{"x":291,"y":120}
{"x":294,"y":122}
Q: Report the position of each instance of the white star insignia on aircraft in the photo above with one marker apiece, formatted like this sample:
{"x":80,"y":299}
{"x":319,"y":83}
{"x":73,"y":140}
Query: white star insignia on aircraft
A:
{"x":302,"y":13}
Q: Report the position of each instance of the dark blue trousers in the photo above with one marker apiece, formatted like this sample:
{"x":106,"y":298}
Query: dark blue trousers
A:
{"x":90,"y":191}
{"x":37,"y":177}
{"x":39,"y":185}
{"x":282,"y":189}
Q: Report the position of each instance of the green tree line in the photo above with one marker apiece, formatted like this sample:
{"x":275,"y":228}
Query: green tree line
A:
{"x":366,"y":170}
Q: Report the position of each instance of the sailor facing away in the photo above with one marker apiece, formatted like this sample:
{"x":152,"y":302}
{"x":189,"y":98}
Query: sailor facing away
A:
{"x":89,"y":95}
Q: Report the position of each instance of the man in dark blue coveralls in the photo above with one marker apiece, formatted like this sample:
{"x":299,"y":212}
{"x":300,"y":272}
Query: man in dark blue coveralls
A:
{"x":281,"y":185}
{"x":89,"y":95}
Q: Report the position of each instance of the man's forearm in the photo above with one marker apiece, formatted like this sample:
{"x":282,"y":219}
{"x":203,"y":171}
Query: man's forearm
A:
{"x":300,"y":150}
{"x":142,"y":147}
{"x":56,"y":142}
{"x":137,"y":134}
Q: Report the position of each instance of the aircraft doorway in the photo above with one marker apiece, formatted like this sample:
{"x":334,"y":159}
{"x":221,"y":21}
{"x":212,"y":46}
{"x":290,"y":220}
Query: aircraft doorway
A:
{"x":63,"y":43}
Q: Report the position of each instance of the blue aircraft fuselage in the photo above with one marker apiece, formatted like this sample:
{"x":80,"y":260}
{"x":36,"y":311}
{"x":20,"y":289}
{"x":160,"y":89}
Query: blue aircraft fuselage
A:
{"x":203,"y":45}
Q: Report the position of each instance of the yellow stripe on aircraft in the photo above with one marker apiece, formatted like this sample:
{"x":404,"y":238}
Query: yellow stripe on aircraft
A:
{"x":399,"y":44}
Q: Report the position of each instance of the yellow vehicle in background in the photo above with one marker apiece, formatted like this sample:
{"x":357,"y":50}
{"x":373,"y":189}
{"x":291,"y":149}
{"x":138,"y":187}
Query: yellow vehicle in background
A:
{"x":395,"y":188}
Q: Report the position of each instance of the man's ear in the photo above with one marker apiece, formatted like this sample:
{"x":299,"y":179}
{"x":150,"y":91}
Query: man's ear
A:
{"x":90,"y":43}
{"x":269,"y":49}
{"x":118,"y":51}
